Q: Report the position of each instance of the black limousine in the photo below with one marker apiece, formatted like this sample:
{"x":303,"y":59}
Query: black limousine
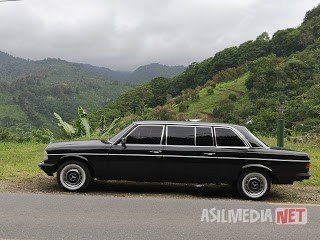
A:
{"x":179,"y":152}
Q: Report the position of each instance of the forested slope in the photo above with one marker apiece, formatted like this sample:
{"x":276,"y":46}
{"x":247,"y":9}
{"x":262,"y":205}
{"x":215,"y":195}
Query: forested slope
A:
{"x":255,"y":83}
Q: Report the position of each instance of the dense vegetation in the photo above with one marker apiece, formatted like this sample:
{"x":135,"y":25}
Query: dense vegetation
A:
{"x":255,"y":83}
{"x":31,"y":91}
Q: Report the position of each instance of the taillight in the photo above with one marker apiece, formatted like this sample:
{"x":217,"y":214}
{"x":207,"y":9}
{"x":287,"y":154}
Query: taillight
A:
{"x":308,"y":166}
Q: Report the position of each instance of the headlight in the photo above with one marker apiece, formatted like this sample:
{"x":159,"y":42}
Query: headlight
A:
{"x":45,"y":155}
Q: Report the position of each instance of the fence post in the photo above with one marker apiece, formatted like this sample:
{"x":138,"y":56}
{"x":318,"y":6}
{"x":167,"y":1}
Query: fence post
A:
{"x":280,"y":133}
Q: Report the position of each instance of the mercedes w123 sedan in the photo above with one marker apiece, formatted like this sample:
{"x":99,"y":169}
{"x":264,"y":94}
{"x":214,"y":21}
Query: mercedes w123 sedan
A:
{"x":179,"y":152}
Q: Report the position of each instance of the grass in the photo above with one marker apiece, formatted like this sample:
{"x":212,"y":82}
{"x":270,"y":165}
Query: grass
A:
{"x":206,"y":102}
{"x":312,"y":149}
{"x":19,"y":160}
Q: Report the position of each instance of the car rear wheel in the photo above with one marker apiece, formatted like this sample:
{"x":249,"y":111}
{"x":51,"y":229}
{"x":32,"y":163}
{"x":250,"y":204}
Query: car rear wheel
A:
{"x":73,"y":176}
{"x":253,"y":184}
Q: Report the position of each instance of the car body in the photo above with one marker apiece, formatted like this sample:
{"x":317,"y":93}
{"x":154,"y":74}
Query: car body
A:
{"x":179,"y":152}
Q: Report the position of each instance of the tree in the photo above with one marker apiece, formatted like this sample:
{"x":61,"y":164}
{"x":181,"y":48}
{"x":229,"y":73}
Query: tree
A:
{"x":315,"y":12}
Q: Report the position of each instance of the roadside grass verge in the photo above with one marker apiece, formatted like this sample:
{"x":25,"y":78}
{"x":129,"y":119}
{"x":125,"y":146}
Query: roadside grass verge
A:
{"x":18,"y":161}
{"x":314,"y":153}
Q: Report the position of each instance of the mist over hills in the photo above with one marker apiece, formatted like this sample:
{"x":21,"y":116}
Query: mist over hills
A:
{"x":14,"y":67}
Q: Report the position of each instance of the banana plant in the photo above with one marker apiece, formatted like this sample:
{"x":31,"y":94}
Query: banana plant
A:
{"x":67,"y":128}
{"x":83,"y":122}
{"x":82,"y":126}
{"x":106,"y":134}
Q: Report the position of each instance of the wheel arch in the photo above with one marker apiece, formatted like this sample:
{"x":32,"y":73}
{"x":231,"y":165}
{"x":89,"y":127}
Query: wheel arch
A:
{"x":260,"y":167}
{"x":80,"y":159}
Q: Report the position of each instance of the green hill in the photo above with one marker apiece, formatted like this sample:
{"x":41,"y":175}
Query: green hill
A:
{"x":30,"y":91}
{"x":256,"y":82}
{"x":209,"y":97}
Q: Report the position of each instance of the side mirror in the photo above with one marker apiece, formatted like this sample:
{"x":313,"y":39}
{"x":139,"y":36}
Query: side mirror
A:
{"x":123,"y":142}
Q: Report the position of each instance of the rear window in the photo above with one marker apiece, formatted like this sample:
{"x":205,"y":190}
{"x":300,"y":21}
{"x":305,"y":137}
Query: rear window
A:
{"x":253,"y":140}
{"x":228,"y":138}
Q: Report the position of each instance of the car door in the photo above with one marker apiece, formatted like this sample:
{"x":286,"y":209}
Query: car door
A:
{"x":189,"y":153}
{"x":138,"y":160}
{"x":232,"y":150}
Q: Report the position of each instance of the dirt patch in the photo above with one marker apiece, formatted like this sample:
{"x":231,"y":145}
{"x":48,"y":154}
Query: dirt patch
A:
{"x":278,"y":193}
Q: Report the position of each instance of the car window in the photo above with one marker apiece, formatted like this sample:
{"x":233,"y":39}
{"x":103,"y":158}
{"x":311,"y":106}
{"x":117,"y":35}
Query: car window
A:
{"x":145,"y":135}
{"x":119,"y":134}
{"x":228,"y":138}
{"x":204,"y":136}
{"x":180,"y":135}
{"x":253,"y":140}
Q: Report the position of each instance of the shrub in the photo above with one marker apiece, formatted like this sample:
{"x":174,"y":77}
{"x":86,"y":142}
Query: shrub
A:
{"x":232,"y":97}
{"x":183,"y":107}
{"x":210,"y":91}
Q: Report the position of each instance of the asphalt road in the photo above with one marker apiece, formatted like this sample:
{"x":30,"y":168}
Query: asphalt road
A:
{"x":79,"y":216}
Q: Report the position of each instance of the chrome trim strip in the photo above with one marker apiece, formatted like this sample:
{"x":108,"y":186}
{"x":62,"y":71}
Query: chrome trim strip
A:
{"x":231,"y":147}
{"x":256,"y":165}
{"x":191,"y":146}
{"x":242,"y":137}
{"x":182,"y":156}
{"x":264,"y":159}
{"x":78,"y":154}
{"x":145,"y":145}
{"x":213,"y":139}
{"x":215,"y":136}
{"x":161,"y":141}
{"x":179,"y":156}
{"x":136,"y":155}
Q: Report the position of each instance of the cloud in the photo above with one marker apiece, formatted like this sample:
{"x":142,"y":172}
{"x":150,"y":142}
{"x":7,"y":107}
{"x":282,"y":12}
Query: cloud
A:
{"x":123,"y":34}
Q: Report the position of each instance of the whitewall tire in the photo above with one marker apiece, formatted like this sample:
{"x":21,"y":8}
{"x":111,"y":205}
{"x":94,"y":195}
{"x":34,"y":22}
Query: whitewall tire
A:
{"x":73,"y":176}
{"x":253,"y":184}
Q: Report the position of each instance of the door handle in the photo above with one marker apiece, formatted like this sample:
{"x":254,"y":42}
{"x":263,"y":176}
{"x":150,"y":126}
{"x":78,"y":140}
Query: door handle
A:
{"x":156,"y":151}
{"x":210,"y":154}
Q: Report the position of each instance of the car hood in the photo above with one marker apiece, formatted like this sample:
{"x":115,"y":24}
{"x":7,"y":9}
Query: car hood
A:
{"x":78,"y":145}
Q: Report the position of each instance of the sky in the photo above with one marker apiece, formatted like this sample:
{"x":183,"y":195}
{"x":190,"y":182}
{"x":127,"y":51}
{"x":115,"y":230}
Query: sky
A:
{"x":124,"y":34}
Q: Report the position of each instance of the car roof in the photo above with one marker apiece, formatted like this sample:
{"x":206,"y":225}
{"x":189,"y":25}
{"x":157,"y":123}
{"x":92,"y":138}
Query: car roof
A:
{"x":191,"y":123}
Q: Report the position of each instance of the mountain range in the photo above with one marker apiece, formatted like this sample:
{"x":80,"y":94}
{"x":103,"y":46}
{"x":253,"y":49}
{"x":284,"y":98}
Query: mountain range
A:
{"x":31,"y":91}
{"x":12,"y":68}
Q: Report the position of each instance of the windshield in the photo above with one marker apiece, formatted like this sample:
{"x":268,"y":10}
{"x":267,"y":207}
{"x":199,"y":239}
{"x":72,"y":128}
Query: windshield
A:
{"x":254,"y":141}
{"x":119,"y":134}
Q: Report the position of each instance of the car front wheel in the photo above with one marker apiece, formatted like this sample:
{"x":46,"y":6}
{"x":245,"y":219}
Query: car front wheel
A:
{"x":73,"y":176}
{"x":253,"y":184}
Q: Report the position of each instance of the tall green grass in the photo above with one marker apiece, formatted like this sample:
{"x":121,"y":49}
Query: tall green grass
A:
{"x":311,"y":148}
{"x":18,"y":161}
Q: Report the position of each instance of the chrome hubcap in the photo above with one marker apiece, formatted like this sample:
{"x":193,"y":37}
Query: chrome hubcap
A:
{"x":254,"y":185}
{"x":72,"y":177}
